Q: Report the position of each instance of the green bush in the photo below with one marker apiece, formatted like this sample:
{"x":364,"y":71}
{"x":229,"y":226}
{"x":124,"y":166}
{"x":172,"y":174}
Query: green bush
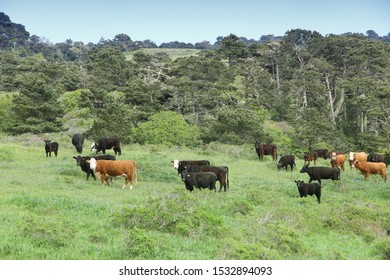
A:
{"x":166,"y":128}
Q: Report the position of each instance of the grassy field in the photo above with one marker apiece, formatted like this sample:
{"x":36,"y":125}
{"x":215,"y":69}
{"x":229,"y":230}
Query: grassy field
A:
{"x":172,"y":53}
{"x":50,"y":211}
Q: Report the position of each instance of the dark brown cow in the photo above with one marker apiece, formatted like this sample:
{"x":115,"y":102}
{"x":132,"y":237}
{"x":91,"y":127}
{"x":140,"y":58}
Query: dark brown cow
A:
{"x":222,"y":173}
{"x":266,"y":149}
{"x":51,"y":147}
{"x":324,"y":153}
{"x":372,"y":157}
{"x":310,"y":156}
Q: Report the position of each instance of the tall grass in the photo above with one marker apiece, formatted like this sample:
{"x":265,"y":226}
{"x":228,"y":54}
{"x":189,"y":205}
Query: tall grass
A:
{"x":50,"y":211}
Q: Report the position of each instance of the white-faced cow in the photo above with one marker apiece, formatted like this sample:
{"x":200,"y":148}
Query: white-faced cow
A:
{"x":106,"y":144}
{"x":180,"y":165}
{"x":78,"y":141}
{"x":356,"y":156}
{"x":51,"y":147}
{"x":337,"y":160}
{"x":85,"y":166}
{"x":114,"y":168}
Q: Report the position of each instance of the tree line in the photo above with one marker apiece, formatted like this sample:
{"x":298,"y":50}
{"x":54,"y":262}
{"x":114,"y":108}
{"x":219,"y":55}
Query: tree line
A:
{"x":301,"y":91}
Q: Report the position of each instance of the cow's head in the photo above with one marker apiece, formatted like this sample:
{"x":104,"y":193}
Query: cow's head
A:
{"x":305,"y":168}
{"x":334,"y":155}
{"x":298,"y":182}
{"x":351,"y":154}
{"x":175,"y":163}
{"x":78,"y":159}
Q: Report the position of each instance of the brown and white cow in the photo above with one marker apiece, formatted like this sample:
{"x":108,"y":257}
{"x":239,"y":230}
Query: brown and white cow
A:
{"x":337,"y":160}
{"x":356,"y":156}
{"x":367,"y":168}
{"x":117,"y":168}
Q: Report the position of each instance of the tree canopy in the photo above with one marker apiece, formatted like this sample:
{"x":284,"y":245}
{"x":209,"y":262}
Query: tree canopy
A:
{"x":330,"y":90}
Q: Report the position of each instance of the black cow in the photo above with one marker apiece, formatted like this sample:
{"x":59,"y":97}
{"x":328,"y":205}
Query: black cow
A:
{"x":222,"y":173}
{"x":201,"y":180}
{"x":321,"y":172}
{"x":309,"y":189}
{"x":285,"y":161}
{"x":181,"y":165}
{"x":106,"y":144}
{"x":78,"y":141}
{"x":324,"y":153}
{"x":266,"y":149}
{"x":372,"y":157}
{"x":85,"y":166}
{"x":51,"y":147}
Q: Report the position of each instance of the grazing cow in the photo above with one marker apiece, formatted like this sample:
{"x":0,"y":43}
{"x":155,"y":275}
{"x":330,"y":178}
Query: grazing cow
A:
{"x":85,"y":166}
{"x":372,"y":157}
{"x":356,"y":156}
{"x":285,"y":161}
{"x":321,"y":172}
{"x":51,"y":147}
{"x":266,"y":149}
{"x":180,"y":165}
{"x":367,"y":168}
{"x":106,"y":144}
{"x":324,"y":153}
{"x":201,"y":180}
{"x":310,"y":156}
{"x":222,"y":173}
{"x":114,"y":168}
{"x":309,"y":189}
{"x":338,"y":160}
{"x":78,"y":141}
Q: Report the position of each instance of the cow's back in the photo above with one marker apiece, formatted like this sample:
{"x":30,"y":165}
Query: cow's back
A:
{"x":116,"y":168}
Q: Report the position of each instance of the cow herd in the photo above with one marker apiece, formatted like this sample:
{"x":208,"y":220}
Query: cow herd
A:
{"x":202,"y":175}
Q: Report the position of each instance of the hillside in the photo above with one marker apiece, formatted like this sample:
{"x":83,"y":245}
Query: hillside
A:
{"x":172,"y":53}
{"x":49,"y":210}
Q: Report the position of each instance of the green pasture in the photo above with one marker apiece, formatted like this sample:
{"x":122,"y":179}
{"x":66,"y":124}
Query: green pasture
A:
{"x":49,"y":211}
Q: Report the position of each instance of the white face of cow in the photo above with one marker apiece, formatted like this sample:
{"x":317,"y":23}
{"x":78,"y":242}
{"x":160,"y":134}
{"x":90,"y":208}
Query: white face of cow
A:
{"x":351,"y":154}
{"x":334,"y":155}
{"x":175,"y":164}
{"x":92,"y":163}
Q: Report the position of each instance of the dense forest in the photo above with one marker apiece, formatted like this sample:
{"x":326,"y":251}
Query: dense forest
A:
{"x":301,"y":91}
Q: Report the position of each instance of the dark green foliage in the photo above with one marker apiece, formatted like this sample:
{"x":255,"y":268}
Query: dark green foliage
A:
{"x":36,"y":107}
{"x":236,"y":126}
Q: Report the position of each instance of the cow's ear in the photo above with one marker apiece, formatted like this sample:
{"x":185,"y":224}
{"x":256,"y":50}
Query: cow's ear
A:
{"x":88,"y":161}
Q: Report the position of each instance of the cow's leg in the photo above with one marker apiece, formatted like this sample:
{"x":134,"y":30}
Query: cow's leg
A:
{"x":93,"y":175}
{"x":104,"y":178}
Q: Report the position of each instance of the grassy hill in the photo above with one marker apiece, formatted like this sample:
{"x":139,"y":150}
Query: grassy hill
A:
{"x":49,"y":211}
{"x":172,"y":53}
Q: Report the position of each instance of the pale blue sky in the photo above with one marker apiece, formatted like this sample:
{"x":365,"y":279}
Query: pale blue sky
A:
{"x":193,"y":21}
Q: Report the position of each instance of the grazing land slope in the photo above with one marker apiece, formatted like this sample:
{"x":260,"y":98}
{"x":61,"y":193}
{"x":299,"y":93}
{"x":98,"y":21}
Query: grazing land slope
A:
{"x":49,"y":211}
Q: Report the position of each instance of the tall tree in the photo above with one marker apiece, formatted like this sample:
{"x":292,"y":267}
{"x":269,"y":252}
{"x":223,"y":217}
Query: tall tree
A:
{"x":36,"y":107}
